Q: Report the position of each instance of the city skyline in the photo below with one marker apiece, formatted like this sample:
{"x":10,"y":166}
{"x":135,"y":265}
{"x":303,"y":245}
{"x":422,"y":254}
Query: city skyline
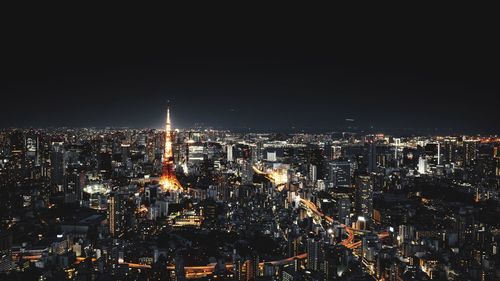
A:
{"x":307,"y":147}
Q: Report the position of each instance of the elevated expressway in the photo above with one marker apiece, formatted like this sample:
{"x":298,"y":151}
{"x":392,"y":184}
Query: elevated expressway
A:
{"x":313,"y":210}
{"x":193,"y":272}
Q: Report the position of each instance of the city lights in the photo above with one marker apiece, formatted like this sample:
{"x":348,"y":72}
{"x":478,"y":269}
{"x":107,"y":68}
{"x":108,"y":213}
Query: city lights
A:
{"x":242,"y":157}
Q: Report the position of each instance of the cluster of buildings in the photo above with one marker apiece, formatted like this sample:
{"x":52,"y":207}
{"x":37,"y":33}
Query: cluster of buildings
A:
{"x":146,"y":204}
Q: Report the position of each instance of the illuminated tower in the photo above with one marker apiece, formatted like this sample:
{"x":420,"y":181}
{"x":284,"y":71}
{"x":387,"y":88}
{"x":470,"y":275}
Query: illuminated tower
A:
{"x":168,"y":157}
{"x":168,"y":179}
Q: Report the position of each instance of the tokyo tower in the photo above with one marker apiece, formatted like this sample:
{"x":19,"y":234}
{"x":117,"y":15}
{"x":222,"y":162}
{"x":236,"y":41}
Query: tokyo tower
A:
{"x":168,"y":179}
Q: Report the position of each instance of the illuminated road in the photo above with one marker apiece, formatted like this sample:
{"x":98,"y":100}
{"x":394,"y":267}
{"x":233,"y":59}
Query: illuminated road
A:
{"x":193,"y":272}
{"x":310,"y":206}
{"x":202,"y":271}
{"x":278,"y":177}
{"x":349,"y":241}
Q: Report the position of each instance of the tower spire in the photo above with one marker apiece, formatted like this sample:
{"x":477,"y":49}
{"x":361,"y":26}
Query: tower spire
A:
{"x":168,"y":115}
{"x":168,"y":178}
{"x":167,"y":156}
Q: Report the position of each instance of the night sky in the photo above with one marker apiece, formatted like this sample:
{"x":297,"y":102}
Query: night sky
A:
{"x":386,"y":74}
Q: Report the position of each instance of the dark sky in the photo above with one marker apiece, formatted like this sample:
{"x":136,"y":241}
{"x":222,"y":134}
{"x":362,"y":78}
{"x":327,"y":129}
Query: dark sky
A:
{"x":303,"y":72}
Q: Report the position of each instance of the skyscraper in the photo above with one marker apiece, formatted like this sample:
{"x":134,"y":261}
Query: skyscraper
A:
{"x":246,"y":172}
{"x":73,"y":184}
{"x":313,"y":173}
{"x":372,"y":157}
{"x":335,"y":152}
{"x":343,"y":205}
{"x":449,"y":151}
{"x":364,"y":197}
{"x":314,"y":254}
{"x":334,"y":261}
{"x":230,"y":153}
{"x":57,"y":164}
{"x":32,"y":148}
{"x":114,"y":214}
{"x":470,"y":152}
{"x":422,"y":165}
{"x":339,"y":173}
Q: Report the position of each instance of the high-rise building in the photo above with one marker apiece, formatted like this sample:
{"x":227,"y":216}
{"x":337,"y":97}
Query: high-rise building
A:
{"x":104,"y":162}
{"x":422,"y":165}
{"x":293,"y":244}
{"x":496,"y":157}
{"x":470,"y":152}
{"x":229,"y":149}
{"x":406,"y":234}
{"x":339,"y":173}
{"x":125,"y":149}
{"x":433,"y":154}
{"x":372,"y":157}
{"x":465,"y":225}
{"x":439,"y":154}
{"x":364,"y":197}
{"x":32,"y":148}
{"x":116,"y":214}
{"x":370,"y":247}
{"x":343,"y":205}
{"x":73,"y":185}
{"x":238,"y":269}
{"x":334,"y":262}
{"x":246,"y":172}
{"x":314,"y":254}
{"x":336,"y":152}
{"x":313,"y":173}
{"x":449,"y":151}
{"x":245,"y":269}
{"x":57,"y":164}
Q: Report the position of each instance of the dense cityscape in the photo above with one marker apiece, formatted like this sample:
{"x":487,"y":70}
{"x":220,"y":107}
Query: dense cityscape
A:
{"x":204,"y":204}
{"x":250,"y":143}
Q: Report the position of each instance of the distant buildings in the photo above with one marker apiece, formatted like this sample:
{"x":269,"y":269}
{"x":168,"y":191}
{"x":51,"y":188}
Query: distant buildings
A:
{"x":88,"y":203}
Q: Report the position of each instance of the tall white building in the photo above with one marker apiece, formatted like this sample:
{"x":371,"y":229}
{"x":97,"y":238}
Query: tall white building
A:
{"x":422,"y":165}
{"x":439,"y":153}
{"x":313,"y":173}
{"x":229,"y":149}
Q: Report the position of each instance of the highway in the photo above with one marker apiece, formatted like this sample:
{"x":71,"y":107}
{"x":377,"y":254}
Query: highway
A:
{"x":349,"y":242}
{"x":204,"y":270}
{"x":193,"y":272}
